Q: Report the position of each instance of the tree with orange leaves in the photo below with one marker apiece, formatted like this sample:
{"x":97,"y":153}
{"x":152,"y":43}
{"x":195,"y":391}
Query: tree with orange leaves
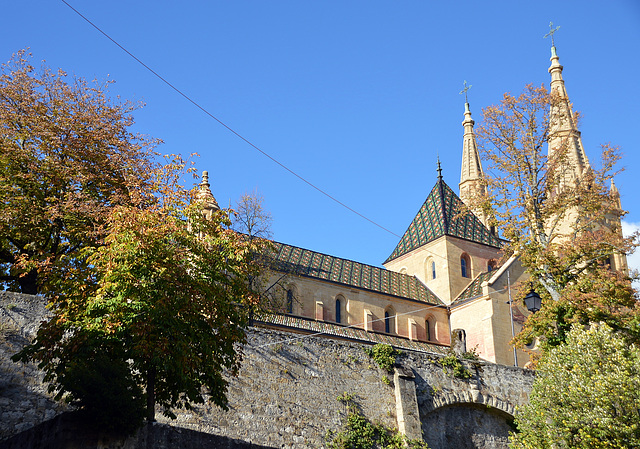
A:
{"x":67,"y":158}
{"x":564,"y":223}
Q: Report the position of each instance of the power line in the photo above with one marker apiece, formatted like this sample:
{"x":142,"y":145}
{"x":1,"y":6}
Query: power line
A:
{"x":237,"y":134}
{"x":240,"y":136}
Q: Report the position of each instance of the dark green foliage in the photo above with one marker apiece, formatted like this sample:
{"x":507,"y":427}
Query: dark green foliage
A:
{"x":383,"y":355}
{"x":454,"y":367}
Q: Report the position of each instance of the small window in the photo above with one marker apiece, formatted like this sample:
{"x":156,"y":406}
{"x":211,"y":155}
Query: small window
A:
{"x":433,"y":270}
{"x":289,"y":303}
{"x":427,"y":327}
{"x":338,"y":310}
{"x":465,"y":266}
{"x":389,"y":322}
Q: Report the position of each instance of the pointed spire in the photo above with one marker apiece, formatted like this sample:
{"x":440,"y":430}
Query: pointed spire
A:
{"x":471,"y":175}
{"x":204,"y":194}
{"x":439,"y":170}
{"x":563,"y":130}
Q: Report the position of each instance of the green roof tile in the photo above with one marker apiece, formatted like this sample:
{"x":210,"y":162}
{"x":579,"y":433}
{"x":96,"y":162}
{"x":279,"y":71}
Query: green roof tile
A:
{"x":304,"y":262}
{"x":474,"y":289}
{"x":438,"y":216}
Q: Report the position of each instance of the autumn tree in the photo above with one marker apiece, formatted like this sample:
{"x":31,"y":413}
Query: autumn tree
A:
{"x":557,"y":213}
{"x":586,"y":394}
{"x":167,"y":301}
{"x":67,"y":158}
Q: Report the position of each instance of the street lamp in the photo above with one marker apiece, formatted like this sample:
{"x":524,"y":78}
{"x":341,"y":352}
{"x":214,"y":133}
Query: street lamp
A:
{"x":533,"y":301}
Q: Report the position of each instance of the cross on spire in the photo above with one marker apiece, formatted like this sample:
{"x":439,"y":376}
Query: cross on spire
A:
{"x":464,"y":91}
{"x":551,"y":32}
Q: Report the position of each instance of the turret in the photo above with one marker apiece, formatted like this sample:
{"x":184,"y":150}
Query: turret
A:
{"x":204,"y":195}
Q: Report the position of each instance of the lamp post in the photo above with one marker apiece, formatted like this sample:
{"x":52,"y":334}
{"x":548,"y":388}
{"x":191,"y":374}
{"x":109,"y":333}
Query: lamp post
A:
{"x":532,"y":301}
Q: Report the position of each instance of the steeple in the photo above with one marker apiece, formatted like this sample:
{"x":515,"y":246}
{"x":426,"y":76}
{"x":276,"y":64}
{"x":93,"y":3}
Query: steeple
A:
{"x":204,"y":195}
{"x":563,"y":130}
{"x":471,"y":176}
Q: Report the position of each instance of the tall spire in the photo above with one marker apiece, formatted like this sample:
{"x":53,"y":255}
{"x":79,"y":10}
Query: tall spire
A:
{"x":563,"y":129}
{"x":471,"y":175}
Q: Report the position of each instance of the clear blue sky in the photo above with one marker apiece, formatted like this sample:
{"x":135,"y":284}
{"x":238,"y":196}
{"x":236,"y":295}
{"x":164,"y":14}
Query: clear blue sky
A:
{"x":359,"y":97}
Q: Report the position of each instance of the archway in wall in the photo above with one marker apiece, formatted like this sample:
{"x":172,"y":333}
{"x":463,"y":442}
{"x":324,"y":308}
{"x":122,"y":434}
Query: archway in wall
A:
{"x":467,"y":426}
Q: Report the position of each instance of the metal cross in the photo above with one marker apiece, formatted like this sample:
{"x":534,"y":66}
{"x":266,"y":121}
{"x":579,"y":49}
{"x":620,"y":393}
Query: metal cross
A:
{"x":552,"y":30}
{"x":464,"y":91}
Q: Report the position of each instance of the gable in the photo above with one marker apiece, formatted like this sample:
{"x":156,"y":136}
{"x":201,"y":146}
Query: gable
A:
{"x":440,"y":215}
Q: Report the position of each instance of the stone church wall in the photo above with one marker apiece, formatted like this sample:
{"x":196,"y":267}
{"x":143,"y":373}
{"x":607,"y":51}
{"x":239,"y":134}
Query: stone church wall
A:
{"x":286,"y":393}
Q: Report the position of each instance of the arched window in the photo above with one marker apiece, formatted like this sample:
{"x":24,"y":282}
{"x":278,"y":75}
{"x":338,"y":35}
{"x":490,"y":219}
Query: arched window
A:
{"x":465,"y":266}
{"x":429,"y":269}
{"x":389,"y":321}
{"x":289,"y":300}
{"x":338,"y":310}
{"x":430,"y":327}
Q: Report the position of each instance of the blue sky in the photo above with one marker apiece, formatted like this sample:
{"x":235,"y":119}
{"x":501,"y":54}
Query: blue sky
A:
{"x":358,"y":97}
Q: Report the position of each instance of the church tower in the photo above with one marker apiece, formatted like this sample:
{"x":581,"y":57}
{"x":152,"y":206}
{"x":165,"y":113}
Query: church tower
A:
{"x":471,"y":176}
{"x":565,"y":141}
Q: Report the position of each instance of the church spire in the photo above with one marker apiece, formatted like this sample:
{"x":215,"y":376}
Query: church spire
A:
{"x":210,"y":205}
{"x":471,"y":175}
{"x":563,"y":129}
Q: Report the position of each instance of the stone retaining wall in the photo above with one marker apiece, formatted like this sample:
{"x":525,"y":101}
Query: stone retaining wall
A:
{"x":286,"y":392}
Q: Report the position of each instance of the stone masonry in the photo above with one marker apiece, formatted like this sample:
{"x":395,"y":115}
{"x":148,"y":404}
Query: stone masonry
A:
{"x":286,"y":392}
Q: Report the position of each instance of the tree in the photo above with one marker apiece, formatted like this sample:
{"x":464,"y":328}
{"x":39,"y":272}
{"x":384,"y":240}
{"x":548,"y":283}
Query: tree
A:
{"x":561,"y":221}
{"x":67,"y":158}
{"x":166,"y":302}
{"x":586,"y":394}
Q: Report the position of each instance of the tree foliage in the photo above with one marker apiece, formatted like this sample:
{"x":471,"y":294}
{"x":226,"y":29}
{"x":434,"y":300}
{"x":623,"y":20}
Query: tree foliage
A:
{"x":67,"y":158}
{"x":586,"y":394}
{"x":168,"y":296}
{"x":564,"y":228}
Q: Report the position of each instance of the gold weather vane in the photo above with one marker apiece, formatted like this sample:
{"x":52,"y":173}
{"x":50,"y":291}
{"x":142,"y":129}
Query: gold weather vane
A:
{"x":552,"y":30}
{"x":464,"y":91}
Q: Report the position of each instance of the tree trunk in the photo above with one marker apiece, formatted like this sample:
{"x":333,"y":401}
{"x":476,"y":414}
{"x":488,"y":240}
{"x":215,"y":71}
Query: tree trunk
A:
{"x":151,"y":395}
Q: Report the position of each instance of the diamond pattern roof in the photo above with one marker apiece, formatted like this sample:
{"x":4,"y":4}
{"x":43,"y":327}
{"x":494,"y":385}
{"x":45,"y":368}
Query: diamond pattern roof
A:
{"x":438,"y":216}
{"x":347,"y":332}
{"x":304,"y":262}
{"x":474,"y":288}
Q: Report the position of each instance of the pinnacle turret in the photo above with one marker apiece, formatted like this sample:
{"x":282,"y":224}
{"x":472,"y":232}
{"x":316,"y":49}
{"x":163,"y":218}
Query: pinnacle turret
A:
{"x":205,"y":196}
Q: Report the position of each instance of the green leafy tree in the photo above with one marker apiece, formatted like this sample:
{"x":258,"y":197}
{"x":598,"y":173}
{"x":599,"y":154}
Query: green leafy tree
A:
{"x":67,"y":158}
{"x":166,"y":300}
{"x":564,"y":229}
{"x":586,"y":394}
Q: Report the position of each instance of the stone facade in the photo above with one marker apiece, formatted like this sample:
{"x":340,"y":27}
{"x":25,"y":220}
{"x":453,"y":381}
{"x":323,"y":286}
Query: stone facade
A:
{"x":286,"y":393}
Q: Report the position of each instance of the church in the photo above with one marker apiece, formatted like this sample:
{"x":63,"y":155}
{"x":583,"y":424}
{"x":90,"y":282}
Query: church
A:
{"x":441,"y":282}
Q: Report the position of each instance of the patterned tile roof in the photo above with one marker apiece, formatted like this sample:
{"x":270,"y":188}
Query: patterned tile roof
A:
{"x":304,"y":262}
{"x":438,"y":216}
{"x":474,"y":288}
{"x":345,"y":332}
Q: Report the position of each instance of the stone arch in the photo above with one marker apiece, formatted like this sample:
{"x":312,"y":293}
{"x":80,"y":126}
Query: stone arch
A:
{"x":472,"y":397}
{"x":430,"y":269}
{"x":466,"y":425}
